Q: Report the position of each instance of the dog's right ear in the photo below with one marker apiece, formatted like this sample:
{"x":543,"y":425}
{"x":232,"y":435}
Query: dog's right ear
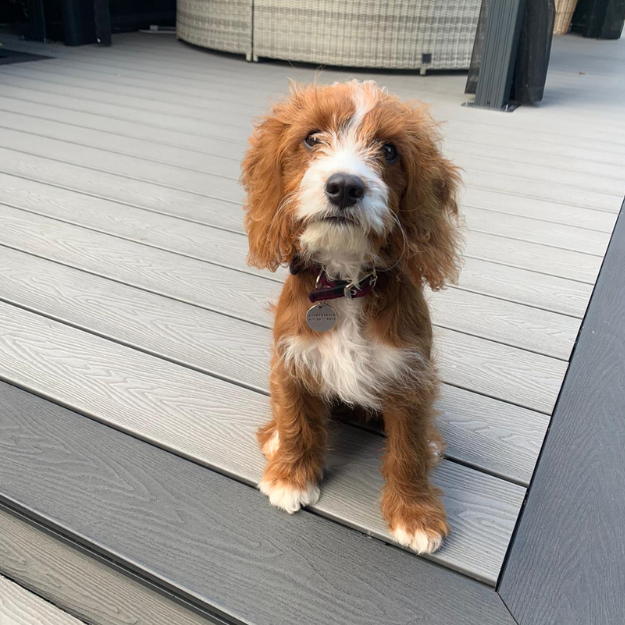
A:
{"x":268,"y":225}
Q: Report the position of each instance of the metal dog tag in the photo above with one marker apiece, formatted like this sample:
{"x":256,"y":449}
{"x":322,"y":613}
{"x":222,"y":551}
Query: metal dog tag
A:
{"x":321,"y":317}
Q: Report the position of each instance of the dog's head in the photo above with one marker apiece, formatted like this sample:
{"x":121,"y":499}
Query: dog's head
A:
{"x":348,"y":175}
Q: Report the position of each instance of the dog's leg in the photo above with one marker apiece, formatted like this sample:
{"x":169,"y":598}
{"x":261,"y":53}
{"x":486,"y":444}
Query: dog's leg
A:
{"x":293,"y":442}
{"x":410,"y":504}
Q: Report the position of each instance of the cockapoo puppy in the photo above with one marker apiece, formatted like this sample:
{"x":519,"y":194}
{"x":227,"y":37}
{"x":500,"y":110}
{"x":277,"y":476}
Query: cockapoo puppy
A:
{"x":347,"y":186}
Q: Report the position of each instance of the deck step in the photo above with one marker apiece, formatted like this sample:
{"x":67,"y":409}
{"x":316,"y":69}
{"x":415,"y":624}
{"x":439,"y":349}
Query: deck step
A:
{"x":199,"y":536}
{"x":213,"y":422}
{"x":79,"y":581}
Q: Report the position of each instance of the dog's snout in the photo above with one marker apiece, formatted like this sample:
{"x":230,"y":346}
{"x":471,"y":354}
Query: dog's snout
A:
{"x":344,"y":190}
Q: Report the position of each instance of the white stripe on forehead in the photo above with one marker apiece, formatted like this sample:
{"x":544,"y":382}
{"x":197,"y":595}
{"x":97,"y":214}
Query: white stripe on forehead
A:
{"x":365,"y":96}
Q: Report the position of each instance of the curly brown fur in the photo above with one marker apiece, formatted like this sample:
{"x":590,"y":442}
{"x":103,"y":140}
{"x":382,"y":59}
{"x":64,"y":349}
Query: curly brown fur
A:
{"x":378,"y":359}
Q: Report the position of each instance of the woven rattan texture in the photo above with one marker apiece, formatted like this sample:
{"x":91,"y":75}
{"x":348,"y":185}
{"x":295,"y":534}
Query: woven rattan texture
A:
{"x":368,"y":33}
{"x":218,"y":24}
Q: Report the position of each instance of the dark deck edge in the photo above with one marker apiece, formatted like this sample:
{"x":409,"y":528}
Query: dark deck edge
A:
{"x":101,"y":559}
{"x":566,"y":563}
{"x":211,"y":541}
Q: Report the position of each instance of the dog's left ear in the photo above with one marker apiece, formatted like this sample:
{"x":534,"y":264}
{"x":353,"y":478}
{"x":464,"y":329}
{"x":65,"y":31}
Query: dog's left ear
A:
{"x":268,"y":228}
{"x":429,"y":210}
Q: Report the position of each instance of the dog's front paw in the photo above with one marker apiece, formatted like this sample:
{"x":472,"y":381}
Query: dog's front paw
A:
{"x":420,"y":541}
{"x":289,"y":497}
{"x":419,"y":525}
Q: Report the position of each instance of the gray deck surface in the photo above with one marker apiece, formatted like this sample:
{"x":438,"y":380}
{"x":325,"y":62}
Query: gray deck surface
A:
{"x":80,"y":581}
{"x":20,"y":607}
{"x":567,"y":563}
{"x":126,"y":297}
{"x":208,"y":539}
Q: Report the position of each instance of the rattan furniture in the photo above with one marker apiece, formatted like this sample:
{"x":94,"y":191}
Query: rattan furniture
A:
{"x":393,"y":34}
{"x":400,"y":34}
{"x":224,"y":25}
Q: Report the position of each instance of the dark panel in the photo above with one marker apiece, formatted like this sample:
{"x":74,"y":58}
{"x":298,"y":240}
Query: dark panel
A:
{"x":212,"y":540}
{"x":499,"y":53}
{"x":567,"y":562}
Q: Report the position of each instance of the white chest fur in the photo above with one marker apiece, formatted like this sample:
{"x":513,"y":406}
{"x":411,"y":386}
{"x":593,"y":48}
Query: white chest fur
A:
{"x":349,"y":365}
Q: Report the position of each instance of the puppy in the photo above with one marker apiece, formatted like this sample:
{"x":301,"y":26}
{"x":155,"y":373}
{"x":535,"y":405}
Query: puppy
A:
{"x":346,"y":185}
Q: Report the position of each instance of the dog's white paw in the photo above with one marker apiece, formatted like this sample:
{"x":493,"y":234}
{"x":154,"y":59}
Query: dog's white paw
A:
{"x":288,"y":497}
{"x":419,"y":541}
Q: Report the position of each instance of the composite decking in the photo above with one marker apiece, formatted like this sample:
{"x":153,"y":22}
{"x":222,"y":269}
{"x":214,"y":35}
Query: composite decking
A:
{"x":20,"y":607}
{"x":125,"y":297}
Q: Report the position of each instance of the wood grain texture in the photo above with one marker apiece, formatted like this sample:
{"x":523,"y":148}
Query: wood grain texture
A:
{"x":550,"y":212}
{"x":154,"y":270}
{"x":543,"y":190}
{"x":546,"y":233}
{"x":507,"y":251}
{"x":184,"y":411}
{"x":499,"y":371}
{"x":28,"y":117}
{"x":582,"y":181}
{"x":499,"y":281}
{"x":601,"y":183}
{"x":79,"y":582}
{"x":55,"y":78}
{"x":121,"y":128}
{"x":175,"y":123}
{"x":39,"y":119}
{"x":91,"y":90}
{"x":101,"y":184}
{"x":528,"y":379}
{"x":47,"y":80}
{"x":566,"y":564}
{"x":567,"y":297}
{"x":75,"y":88}
{"x":20,"y":607}
{"x":492,"y":318}
{"x":487,"y":434}
{"x":205,"y":67}
{"x":187,"y":180}
{"x":604,"y":185}
{"x":533,"y":257}
{"x":189,"y":72}
{"x":211,"y":540}
{"x":463,"y":142}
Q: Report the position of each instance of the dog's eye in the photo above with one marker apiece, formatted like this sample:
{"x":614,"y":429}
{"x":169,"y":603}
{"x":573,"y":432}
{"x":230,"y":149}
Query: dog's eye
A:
{"x":312,"y":139}
{"x":390,"y":152}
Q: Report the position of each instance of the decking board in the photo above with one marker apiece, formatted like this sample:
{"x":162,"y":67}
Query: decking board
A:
{"x":490,"y":435}
{"x":551,"y":260}
{"x":184,"y":411}
{"x":231,"y":73}
{"x":540,"y":210}
{"x":594,"y":181}
{"x":524,"y":150}
{"x":18,"y":606}
{"x":514,"y":324}
{"x":79,"y":582}
{"x":214,"y":542}
{"x":226,"y":249}
{"x":573,"y":238}
{"x":524,"y":378}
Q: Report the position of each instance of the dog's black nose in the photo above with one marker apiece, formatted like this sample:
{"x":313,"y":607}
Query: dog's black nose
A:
{"x":344,"y":190}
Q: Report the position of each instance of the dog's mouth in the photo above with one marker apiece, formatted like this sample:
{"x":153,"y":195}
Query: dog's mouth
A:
{"x":340,"y":220}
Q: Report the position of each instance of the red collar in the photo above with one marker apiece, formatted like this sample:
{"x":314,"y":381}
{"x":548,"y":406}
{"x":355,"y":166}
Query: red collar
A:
{"x":326,"y":289}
